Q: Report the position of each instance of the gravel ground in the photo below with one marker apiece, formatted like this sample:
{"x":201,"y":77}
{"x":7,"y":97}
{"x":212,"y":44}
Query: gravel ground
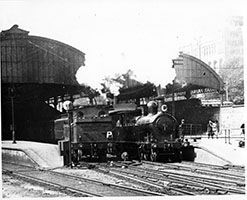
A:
{"x":16,"y":188}
{"x":91,"y":174}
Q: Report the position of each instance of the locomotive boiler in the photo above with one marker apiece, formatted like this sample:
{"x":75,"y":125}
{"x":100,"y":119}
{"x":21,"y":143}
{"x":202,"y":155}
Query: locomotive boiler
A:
{"x":124,"y":133}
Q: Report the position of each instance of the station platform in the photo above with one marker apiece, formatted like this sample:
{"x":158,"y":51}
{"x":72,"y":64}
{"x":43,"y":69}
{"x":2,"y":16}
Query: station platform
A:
{"x":220,"y":151}
{"x":41,"y":155}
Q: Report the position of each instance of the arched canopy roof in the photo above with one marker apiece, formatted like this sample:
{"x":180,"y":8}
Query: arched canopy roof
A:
{"x":33,"y":59}
{"x":193,"y":74}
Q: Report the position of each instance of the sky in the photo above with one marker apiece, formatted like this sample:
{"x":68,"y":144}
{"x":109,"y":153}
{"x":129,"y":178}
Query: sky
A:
{"x":117,"y":35}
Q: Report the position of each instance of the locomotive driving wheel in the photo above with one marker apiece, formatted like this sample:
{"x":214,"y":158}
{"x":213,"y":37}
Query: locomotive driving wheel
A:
{"x":146,"y":156}
{"x":153,"y":156}
{"x":125,"y":156}
{"x":140,"y":154}
{"x":143,"y":153}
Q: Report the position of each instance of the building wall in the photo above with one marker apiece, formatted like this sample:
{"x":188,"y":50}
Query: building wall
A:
{"x":220,"y":47}
{"x":232,"y":117}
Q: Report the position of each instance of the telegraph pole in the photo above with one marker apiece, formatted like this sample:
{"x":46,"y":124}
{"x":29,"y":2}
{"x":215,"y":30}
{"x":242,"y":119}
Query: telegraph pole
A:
{"x":173,"y":98}
{"x":68,"y":106}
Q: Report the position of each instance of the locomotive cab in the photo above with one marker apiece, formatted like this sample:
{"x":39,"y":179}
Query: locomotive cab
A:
{"x":124,"y":135}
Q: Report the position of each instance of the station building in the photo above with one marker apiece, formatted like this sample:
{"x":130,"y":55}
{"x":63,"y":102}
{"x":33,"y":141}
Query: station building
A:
{"x":222,"y":45}
{"x":38,"y":75}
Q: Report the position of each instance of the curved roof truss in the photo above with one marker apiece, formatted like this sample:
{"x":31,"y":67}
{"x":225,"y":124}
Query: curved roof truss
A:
{"x":33,"y":59}
{"x":193,"y":73}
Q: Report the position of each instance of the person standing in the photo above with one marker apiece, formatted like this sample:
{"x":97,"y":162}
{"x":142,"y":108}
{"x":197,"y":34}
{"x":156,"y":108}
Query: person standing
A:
{"x":181,"y":129}
{"x":242,"y":127}
{"x":209,"y":129}
{"x":214,"y":129}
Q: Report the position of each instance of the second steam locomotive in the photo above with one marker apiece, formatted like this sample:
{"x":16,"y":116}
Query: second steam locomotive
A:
{"x":122,"y":133}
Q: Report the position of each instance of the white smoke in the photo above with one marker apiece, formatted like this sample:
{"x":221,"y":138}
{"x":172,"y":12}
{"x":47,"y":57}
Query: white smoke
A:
{"x":147,"y":67}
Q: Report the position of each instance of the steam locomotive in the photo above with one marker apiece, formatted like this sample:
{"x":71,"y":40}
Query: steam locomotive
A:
{"x":125,"y":132}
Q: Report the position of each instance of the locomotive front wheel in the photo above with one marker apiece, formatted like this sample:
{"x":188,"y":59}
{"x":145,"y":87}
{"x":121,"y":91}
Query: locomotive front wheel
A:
{"x":125,"y":156}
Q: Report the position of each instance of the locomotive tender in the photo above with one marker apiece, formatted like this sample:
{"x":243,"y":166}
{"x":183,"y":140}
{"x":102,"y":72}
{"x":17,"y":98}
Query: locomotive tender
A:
{"x":124,"y":133}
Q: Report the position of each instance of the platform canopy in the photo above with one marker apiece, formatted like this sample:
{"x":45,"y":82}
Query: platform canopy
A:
{"x":37,"y":66}
{"x":33,"y":59}
{"x":194,"y":74}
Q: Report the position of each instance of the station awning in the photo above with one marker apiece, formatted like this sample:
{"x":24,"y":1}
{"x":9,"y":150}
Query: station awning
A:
{"x":194,"y":74}
{"x":38,"y":67}
{"x":34,"y":59}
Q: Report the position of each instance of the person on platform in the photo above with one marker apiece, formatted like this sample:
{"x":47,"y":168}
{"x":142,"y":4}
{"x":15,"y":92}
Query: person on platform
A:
{"x":242,"y":141}
{"x":181,"y":129}
{"x":217,"y":128}
{"x":242,"y":128}
{"x":212,"y":128}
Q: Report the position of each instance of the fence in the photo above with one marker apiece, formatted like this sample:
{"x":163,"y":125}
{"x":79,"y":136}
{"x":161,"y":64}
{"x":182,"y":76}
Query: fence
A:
{"x":192,"y":129}
{"x":231,"y":135}
{"x":228,"y":135}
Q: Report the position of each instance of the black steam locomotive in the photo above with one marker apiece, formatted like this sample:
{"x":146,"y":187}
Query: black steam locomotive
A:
{"x":124,"y":133}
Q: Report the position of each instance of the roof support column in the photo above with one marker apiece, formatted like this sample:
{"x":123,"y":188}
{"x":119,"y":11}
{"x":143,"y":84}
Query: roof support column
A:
{"x":173,"y":98}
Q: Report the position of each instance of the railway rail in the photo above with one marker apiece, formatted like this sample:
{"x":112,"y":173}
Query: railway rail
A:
{"x":151,"y":185}
{"x":184,"y":182}
{"x":227,"y":166}
{"x":231,"y":168}
{"x":203,"y":169}
{"x":73,"y":184}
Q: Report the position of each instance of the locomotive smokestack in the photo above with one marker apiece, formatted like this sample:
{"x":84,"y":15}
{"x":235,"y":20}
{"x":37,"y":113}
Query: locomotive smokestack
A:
{"x":152,"y":107}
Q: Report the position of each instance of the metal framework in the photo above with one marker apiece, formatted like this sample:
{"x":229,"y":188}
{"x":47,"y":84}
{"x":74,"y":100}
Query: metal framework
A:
{"x":194,"y":74}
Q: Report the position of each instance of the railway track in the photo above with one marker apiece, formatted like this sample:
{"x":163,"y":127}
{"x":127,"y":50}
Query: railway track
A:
{"x":226,"y":168}
{"x":237,"y":168}
{"x":152,"y":185}
{"x":202,"y":169}
{"x":157,"y":179}
{"x":74,"y":185}
{"x":177,"y":182}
